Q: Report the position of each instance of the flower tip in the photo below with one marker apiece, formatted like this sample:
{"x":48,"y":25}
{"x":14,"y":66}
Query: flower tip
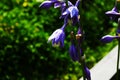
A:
{"x":107,"y":12}
{"x":46,"y":4}
{"x":87,"y":73}
{"x":77,"y":3}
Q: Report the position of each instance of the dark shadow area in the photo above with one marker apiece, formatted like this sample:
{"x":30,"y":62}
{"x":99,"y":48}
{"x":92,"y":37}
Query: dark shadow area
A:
{"x":114,"y":77}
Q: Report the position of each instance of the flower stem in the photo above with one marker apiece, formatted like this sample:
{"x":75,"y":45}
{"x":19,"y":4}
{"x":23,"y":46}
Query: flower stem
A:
{"x":117,"y":78}
{"x":81,"y":59}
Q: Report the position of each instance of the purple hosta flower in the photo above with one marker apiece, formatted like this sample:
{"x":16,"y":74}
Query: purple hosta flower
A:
{"x":58,"y":37}
{"x":48,"y":4}
{"x":109,"y":38}
{"x":87,"y":73}
{"x":73,"y":13}
{"x":73,"y":52}
{"x":113,"y":13}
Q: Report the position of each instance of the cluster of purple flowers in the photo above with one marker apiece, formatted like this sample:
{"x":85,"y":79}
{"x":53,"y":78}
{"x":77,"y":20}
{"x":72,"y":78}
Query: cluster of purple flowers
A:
{"x":68,"y":11}
{"x":112,"y":14}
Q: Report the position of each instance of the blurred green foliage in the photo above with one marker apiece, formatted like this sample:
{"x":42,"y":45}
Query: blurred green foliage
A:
{"x":25,"y":28}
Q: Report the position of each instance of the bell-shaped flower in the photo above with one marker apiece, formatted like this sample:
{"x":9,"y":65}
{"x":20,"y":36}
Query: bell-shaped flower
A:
{"x":73,"y":52}
{"x":108,"y":38}
{"x":113,"y":13}
{"x":58,"y":37}
{"x":87,"y":73}
{"x":73,"y":13}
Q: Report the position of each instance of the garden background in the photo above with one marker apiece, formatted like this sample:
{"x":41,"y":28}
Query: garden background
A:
{"x":25,"y":29}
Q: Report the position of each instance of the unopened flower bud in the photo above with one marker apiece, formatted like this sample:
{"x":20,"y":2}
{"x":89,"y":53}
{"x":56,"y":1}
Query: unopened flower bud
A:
{"x":78,"y":36}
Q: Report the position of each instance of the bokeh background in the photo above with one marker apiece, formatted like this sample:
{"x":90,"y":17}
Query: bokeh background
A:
{"x":25,"y":29}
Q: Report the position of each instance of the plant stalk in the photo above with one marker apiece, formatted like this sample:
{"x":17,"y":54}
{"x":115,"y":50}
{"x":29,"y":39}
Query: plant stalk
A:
{"x":81,"y":59}
{"x":118,"y":57}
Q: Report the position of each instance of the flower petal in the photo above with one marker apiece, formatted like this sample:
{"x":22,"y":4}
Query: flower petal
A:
{"x":70,"y":4}
{"x":62,"y":40}
{"x":56,"y":5}
{"x":73,"y":11}
{"x":113,"y":13}
{"x":77,"y":3}
{"x":55,"y":34}
{"x":57,"y":37}
{"x":64,"y":14}
{"x":108,"y":38}
{"x":46,"y":4}
{"x":73,"y":53}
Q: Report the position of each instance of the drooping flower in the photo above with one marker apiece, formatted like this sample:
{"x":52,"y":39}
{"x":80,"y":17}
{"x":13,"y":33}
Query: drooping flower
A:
{"x":87,"y":73}
{"x":108,"y":38}
{"x":73,"y":13}
{"x":58,"y":36}
{"x":113,"y":13}
{"x":73,"y":49}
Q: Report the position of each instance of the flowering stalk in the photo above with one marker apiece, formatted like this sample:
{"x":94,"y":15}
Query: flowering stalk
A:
{"x":69,"y":11}
{"x":80,"y":53}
